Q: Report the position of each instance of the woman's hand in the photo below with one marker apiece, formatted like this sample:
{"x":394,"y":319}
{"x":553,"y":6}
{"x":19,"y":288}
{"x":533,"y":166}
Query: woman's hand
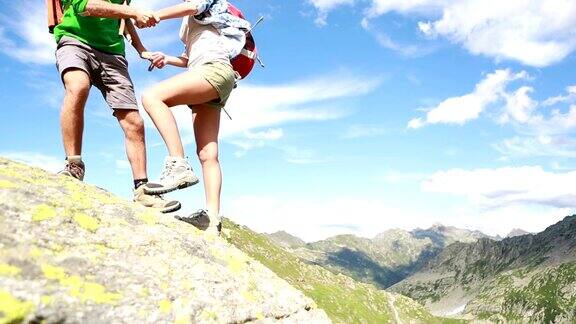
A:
{"x":158,"y":59}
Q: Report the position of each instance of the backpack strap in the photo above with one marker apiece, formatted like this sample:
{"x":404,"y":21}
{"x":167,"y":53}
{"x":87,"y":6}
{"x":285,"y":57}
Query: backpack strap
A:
{"x":251,"y":55}
{"x":55,"y":13}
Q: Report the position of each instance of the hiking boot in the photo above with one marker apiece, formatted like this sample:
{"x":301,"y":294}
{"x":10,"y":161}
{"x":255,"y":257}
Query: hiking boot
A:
{"x":155,"y":201}
{"x":203,"y":221}
{"x":176,"y":174}
{"x":74,"y":168}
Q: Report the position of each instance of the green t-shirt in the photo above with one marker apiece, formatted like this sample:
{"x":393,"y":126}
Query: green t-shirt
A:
{"x":99,"y":33}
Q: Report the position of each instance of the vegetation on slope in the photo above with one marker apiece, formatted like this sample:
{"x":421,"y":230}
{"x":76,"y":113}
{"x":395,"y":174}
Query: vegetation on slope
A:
{"x":343,"y":299}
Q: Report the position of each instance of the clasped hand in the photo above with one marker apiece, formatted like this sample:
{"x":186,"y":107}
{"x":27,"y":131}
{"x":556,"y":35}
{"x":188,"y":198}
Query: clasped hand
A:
{"x":146,"y":18}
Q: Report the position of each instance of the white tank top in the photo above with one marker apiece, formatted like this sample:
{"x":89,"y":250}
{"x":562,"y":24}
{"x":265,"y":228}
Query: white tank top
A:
{"x":203,"y":43}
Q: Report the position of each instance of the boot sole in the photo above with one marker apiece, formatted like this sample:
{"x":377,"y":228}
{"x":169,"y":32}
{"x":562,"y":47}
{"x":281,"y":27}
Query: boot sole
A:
{"x":160,"y":191}
{"x":213,"y":230}
{"x":171,"y":208}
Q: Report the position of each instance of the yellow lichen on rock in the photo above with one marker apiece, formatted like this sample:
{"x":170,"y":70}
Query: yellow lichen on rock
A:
{"x":46,"y":300}
{"x":183,"y":319}
{"x":13,"y":310}
{"x":78,"y":198}
{"x":248,"y":296}
{"x":236,"y":262}
{"x":35,"y":252}
{"x":88,"y":223}
{"x":5,"y":184}
{"x":165,"y":306}
{"x":148,"y":218}
{"x":260,"y":316}
{"x":208,"y":315}
{"x":7,"y":270}
{"x":79,"y":288}
{"x":43,"y":212}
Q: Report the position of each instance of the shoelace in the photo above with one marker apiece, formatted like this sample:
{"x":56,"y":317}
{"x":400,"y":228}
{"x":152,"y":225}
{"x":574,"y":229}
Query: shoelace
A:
{"x":167,"y":169}
{"x":74,"y":169}
{"x":198,"y":214}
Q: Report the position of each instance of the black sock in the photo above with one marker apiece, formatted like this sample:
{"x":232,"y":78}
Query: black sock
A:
{"x":139,"y":182}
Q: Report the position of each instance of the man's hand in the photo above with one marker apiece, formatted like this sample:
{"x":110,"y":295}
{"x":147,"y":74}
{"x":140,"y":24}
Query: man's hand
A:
{"x":146,"y":18}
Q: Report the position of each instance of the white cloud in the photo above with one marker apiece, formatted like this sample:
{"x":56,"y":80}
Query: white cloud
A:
{"x":39,"y":160}
{"x":543,"y":131}
{"x":250,"y":140}
{"x":325,"y":6}
{"x":122,"y":166}
{"x":257,"y":107}
{"x":299,"y":155}
{"x":399,"y":177}
{"x":506,"y":186}
{"x":545,"y":128}
{"x":360,"y":131}
{"x":538,"y":145}
{"x":24,"y":34}
{"x":409,"y":50}
{"x":459,"y":110}
{"x":367,"y":217}
{"x":519,"y":106}
{"x":314,"y":219}
{"x":533,"y":32}
{"x":570,"y":97}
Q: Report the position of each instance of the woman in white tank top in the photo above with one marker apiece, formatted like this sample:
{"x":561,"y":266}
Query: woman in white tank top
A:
{"x":204,"y":87}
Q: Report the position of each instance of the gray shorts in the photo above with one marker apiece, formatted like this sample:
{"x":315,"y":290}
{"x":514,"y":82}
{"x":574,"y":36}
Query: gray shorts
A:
{"x":108,"y":72}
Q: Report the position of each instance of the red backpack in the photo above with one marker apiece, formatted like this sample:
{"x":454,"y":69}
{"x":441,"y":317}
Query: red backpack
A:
{"x":244,"y":62}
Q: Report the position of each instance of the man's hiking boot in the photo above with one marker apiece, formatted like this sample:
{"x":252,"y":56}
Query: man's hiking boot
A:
{"x":74,"y":168}
{"x":204,"y":222}
{"x":176,"y":174}
{"x":155,"y":201}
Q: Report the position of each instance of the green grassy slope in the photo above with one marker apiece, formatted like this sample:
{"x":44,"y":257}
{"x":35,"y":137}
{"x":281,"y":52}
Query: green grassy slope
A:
{"x":343,"y":299}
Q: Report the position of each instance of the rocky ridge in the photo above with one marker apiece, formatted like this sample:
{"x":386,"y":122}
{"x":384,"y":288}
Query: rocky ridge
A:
{"x":71,"y":252}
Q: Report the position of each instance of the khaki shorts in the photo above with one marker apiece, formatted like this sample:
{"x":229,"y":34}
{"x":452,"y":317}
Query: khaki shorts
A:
{"x":221,"y":76}
{"x":108,"y":72}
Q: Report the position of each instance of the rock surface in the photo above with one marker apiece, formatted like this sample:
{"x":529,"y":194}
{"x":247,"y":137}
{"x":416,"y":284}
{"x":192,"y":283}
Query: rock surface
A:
{"x":71,"y":252}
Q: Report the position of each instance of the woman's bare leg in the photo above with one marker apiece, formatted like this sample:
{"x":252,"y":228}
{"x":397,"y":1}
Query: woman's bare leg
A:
{"x":183,"y":89}
{"x":206,"y":127}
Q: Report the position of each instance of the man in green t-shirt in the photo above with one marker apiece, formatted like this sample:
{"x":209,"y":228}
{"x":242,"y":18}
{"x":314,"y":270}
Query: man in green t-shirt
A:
{"x":90,"y":52}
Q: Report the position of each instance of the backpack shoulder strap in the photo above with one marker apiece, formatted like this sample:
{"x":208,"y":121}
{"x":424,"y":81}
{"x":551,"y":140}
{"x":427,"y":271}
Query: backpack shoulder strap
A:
{"x":54,"y":9}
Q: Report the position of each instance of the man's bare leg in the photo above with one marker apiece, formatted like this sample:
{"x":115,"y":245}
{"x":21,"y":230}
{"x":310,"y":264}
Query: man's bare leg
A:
{"x":133,"y":126}
{"x":77,"y":84}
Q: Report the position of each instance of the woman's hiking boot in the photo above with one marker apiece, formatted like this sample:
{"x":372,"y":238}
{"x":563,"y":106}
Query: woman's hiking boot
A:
{"x":203,"y":221}
{"x":155,"y":201}
{"x":176,"y":174}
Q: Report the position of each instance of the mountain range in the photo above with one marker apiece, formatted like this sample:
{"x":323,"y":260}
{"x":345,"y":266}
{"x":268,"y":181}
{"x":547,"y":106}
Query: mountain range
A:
{"x":461,"y":273}
{"x":528,"y":276}
{"x":384,"y":260}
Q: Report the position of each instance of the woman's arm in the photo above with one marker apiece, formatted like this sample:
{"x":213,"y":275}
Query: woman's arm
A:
{"x":160,"y":60}
{"x":177,"y":11}
{"x":179,"y":61}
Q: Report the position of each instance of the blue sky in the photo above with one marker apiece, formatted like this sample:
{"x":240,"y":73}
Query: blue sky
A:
{"x":369,"y":115}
